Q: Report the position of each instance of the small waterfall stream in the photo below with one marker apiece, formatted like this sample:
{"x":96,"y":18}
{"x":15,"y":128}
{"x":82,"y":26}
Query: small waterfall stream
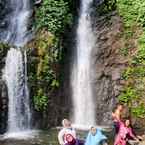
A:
{"x":15,"y":71}
{"x":83,"y":103}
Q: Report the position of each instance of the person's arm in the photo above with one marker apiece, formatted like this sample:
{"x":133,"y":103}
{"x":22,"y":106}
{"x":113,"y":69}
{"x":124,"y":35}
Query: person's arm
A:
{"x":61,"y":137}
{"x":113,"y":114}
{"x":131,"y":133}
{"x":116,"y":115}
{"x":140,"y":137}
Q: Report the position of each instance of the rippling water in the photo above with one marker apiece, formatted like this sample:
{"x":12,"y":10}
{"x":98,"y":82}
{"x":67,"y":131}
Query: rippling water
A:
{"x":38,"y":138}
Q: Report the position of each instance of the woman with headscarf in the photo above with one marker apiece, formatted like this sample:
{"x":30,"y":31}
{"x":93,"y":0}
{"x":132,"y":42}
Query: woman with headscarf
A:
{"x":96,"y":137}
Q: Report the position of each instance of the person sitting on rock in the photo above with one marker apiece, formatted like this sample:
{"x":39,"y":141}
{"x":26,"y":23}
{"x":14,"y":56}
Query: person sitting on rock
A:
{"x":67,"y":135}
{"x":96,"y":137}
{"x":125,"y":134}
{"x":130,"y":139}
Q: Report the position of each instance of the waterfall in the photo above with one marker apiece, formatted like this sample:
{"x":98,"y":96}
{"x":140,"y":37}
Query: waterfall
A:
{"x":17,"y":20}
{"x":15,"y":70}
{"x":15,"y":77}
{"x":82,"y":95}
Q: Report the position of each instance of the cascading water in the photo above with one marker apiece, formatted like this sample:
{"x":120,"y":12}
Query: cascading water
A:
{"x":15,"y":71}
{"x":17,"y":23}
{"x":83,"y":103}
{"x":15,"y":77}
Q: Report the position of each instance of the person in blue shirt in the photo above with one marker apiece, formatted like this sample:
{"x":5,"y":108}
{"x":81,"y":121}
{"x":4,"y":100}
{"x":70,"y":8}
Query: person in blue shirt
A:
{"x":95,"y":137}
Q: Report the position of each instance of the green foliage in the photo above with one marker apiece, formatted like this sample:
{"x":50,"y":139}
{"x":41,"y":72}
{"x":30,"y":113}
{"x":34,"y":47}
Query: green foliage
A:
{"x":43,"y":74}
{"x":53,"y":15}
{"x":133,"y":15}
{"x":41,"y":100}
{"x":106,"y":7}
{"x":46,"y":73}
{"x":124,"y":51}
{"x":134,"y":72}
{"x":133,"y":94}
{"x":139,"y":111}
{"x":127,"y":73}
{"x":128,"y":95}
{"x":139,"y":58}
{"x":132,"y":11}
{"x":51,"y":19}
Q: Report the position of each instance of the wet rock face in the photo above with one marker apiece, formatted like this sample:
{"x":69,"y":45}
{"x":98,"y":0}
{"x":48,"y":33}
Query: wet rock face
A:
{"x":3,"y":90}
{"x":3,"y":12}
{"x":107,"y":82}
{"x":3,"y":106}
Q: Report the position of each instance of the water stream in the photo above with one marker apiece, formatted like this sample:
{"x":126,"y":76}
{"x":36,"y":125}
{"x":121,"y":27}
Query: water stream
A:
{"x":15,"y":70}
{"x":15,"y":77}
{"x":83,"y":103}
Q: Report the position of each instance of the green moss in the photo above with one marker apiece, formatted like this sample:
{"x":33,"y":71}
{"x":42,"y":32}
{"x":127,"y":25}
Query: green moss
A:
{"x":133,"y":16}
{"x":43,"y":74}
{"x":3,"y":49}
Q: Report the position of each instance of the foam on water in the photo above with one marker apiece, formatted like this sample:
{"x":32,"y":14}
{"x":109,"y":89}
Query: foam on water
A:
{"x":22,"y":135}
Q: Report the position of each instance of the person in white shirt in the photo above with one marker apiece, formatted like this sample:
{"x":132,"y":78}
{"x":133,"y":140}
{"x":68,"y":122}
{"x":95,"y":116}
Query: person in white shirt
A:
{"x":67,"y":135}
{"x":67,"y":129}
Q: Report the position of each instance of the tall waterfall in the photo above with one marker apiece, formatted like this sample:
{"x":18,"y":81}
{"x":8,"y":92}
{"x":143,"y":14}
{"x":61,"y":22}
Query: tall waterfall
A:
{"x":15,"y":77}
{"x":83,"y":103}
{"x":15,"y":71}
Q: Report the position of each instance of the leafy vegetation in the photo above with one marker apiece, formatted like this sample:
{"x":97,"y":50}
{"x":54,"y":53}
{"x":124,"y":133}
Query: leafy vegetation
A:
{"x":133,"y":15}
{"x":43,"y":74}
{"x":53,"y":15}
{"x":106,"y":7}
{"x":41,"y":101}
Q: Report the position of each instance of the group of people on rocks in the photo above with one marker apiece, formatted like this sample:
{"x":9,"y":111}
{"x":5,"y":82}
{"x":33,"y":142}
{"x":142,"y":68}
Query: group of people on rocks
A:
{"x":124,"y":132}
